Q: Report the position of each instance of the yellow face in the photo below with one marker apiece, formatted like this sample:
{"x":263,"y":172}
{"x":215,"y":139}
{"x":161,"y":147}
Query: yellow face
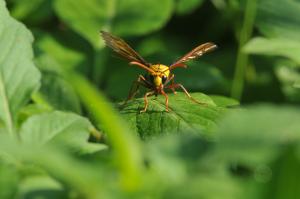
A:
{"x":160,"y":75}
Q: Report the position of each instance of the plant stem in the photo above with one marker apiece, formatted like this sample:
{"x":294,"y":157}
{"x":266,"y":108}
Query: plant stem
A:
{"x":242,"y":58}
{"x":125,"y":144}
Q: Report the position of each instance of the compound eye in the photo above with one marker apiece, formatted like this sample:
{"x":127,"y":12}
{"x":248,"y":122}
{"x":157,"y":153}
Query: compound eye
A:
{"x":164,"y":79}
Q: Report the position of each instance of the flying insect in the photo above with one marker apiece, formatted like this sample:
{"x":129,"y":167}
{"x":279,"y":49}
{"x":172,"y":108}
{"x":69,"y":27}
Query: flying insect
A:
{"x":159,"y":77}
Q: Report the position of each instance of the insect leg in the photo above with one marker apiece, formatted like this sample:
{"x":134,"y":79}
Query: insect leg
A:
{"x":146,"y":101}
{"x":141,"y":81}
{"x":172,"y":83}
{"x":187,"y":93}
{"x":167,"y":100}
{"x":148,"y":84}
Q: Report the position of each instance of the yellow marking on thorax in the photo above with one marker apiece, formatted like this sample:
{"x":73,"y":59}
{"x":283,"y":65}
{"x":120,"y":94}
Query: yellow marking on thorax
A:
{"x":160,"y":70}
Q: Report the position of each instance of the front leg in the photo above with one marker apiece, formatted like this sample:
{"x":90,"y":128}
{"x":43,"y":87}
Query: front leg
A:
{"x":186,"y":92}
{"x":167,"y":100}
{"x":146,"y":100}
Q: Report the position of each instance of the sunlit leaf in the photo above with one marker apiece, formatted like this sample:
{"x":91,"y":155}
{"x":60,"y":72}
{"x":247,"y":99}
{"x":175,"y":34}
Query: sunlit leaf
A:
{"x":224,"y":101}
{"x":41,"y":186}
{"x":275,"y":47}
{"x":184,"y":115}
{"x":18,"y":75}
{"x":58,"y":93}
{"x":66,"y":128}
{"x":279,"y":18}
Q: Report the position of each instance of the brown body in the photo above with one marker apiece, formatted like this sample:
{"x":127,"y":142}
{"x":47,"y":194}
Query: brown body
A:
{"x":159,"y":76}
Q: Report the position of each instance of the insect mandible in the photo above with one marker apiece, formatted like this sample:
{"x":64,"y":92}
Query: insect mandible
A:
{"x":159,"y":77}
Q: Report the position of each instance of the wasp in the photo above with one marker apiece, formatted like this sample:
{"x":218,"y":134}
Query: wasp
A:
{"x":159,"y":77}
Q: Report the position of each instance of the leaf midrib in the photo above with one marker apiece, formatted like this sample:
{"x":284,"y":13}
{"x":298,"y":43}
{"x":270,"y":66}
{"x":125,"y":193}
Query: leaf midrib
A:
{"x":8,"y":119}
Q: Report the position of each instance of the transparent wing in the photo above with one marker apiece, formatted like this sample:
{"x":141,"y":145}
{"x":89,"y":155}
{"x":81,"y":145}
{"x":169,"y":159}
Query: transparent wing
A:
{"x":122,"y":48}
{"x":196,"y":52}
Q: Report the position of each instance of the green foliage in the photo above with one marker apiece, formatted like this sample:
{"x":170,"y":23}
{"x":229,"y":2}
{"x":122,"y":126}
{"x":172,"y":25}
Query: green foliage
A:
{"x":115,"y":15}
{"x":8,"y":181}
{"x":18,"y":76}
{"x":67,"y":128}
{"x":274,"y":47}
{"x":183,"y":7}
{"x":64,"y":132}
{"x":184,"y":115}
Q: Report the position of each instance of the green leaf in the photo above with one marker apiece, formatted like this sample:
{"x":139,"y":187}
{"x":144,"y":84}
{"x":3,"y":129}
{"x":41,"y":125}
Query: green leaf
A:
{"x":254,"y":135}
{"x":288,"y":75}
{"x":123,"y":17}
{"x":297,"y":84}
{"x":66,"y":128}
{"x":131,"y":19}
{"x":279,"y":18}
{"x":260,"y":144}
{"x":41,"y":187}
{"x":224,"y":101}
{"x":8,"y":181}
{"x":285,"y":176}
{"x":185,"y":162}
{"x":33,"y":11}
{"x":58,"y":93}
{"x":18,"y":75}
{"x":61,"y":165}
{"x":284,"y":47}
{"x":184,"y":6}
{"x":184,"y":116}
{"x":30,"y":110}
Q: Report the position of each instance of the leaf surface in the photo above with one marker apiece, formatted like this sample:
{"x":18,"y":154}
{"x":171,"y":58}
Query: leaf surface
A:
{"x":70,"y":129}
{"x":122,"y":17}
{"x":18,"y":75}
{"x":275,"y":47}
{"x":184,"y":115}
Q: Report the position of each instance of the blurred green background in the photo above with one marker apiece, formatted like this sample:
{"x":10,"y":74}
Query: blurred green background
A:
{"x":67,"y":33}
{"x":250,"y":152}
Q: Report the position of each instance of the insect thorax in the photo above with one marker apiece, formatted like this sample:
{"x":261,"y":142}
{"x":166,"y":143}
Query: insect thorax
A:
{"x":160,"y":70}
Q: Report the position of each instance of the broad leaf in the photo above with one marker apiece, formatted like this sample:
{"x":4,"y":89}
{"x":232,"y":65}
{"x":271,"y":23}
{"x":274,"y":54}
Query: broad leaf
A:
{"x":123,"y":17}
{"x":254,"y":135}
{"x":184,"y":115}
{"x":61,"y":165}
{"x":66,"y":128}
{"x":223,"y":101}
{"x":40,"y":187}
{"x":32,"y":11}
{"x":284,"y":47}
{"x":18,"y":75}
{"x":279,"y":18}
{"x":58,"y":93}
